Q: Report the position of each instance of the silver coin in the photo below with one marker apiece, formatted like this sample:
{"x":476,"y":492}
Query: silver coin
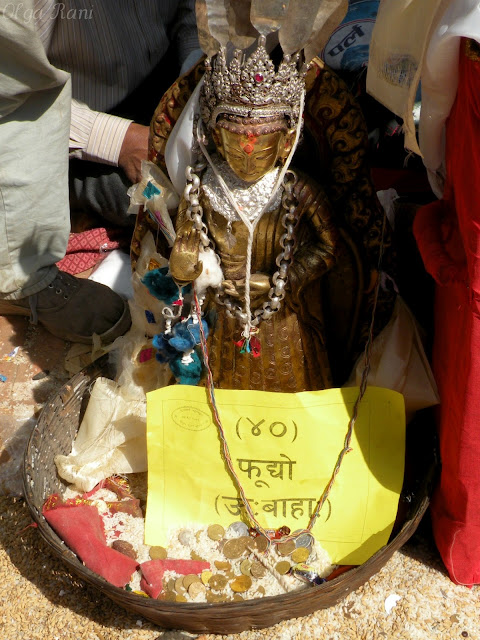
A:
{"x":186,"y":538}
{"x":304,"y":540}
{"x":238,"y":529}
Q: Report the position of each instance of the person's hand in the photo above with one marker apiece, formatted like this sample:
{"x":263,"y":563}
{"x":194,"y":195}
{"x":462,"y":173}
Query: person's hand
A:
{"x":134,"y":150}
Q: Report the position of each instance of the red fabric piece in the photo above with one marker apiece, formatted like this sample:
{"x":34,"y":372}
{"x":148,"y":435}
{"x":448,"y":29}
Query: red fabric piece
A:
{"x":153,"y":571}
{"x":81,"y":528}
{"x":456,"y":355}
{"x":87,"y":248}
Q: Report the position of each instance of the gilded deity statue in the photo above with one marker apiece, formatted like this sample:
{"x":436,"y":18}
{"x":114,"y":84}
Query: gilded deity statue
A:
{"x":278,"y":221}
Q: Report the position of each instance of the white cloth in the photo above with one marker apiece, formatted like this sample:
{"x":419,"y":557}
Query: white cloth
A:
{"x":417,"y":41}
{"x":439,"y":83}
{"x":397,"y":49}
{"x":111,"y":439}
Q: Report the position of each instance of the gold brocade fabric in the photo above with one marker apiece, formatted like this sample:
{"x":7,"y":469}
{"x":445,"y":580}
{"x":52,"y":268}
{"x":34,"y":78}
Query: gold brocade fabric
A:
{"x":472,"y":49}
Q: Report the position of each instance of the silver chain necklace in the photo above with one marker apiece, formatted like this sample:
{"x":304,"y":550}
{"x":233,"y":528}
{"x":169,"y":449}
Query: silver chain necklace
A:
{"x":283,"y":260}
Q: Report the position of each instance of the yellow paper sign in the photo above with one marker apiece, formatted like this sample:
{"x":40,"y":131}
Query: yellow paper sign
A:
{"x":284,"y":448}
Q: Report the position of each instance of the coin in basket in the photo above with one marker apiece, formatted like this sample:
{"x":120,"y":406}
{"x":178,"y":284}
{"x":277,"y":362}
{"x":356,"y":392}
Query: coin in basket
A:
{"x":181,"y":598}
{"x":238,"y":598}
{"x":300,"y":554}
{"x":245,"y":567}
{"x":195,"y":556}
{"x":157,"y":553}
{"x":285,"y":548}
{"x":261,"y":544}
{"x":196,"y":589}
{"x":282,"y":567}
{"x":213,"y":597}
{"x":189,"y":579}
{"x":234,"y":548}
{"x":257,"y":570}
{"x":206,"y":575}
{"x":217,"y":582}
{"x":179,"y":588}
{"x":304,"y":540}
{"x":222,"y":565}
{"x":215,"y":532}
{"x":240,"y":584}
{"x":186,"y":538}
{"x":238,"y":528}
{"x":169,"y":596}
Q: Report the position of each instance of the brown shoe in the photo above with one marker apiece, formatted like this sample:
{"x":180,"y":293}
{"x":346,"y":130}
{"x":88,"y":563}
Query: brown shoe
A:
{"x":74,"y":309}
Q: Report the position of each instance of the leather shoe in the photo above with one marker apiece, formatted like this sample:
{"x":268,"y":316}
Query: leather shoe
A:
{"x":74,"y":309}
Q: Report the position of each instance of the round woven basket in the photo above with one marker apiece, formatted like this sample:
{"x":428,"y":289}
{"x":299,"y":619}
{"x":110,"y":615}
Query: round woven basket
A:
{"x":54,"y":434}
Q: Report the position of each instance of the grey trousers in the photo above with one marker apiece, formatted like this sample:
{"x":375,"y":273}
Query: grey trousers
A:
{"x":35,"y":102}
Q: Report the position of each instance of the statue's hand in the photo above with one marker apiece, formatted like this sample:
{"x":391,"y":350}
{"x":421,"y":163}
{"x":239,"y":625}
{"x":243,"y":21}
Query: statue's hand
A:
{"x":259,"y":287}
{"x":184,"y":264}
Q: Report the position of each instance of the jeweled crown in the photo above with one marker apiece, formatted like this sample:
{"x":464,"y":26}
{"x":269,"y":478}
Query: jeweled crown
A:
{"x":252,"y":87}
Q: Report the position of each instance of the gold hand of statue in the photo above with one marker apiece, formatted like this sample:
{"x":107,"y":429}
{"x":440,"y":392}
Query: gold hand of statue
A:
{"x":259,"y":287}
{"x":184,"y":264}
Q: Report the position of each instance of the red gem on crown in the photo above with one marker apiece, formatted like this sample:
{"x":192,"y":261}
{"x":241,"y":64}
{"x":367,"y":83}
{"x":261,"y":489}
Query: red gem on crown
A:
{"x":258,"y":78}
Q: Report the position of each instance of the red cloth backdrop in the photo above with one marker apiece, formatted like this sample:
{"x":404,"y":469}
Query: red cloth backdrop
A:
{"x":448,"y":236}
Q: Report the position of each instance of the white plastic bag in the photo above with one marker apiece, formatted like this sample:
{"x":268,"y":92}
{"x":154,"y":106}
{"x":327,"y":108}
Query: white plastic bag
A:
{"x":111,"y":438}
{"x":398,"y":362}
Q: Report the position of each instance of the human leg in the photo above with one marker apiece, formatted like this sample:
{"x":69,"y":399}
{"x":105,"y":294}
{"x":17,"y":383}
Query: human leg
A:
{"x":34,"y":209}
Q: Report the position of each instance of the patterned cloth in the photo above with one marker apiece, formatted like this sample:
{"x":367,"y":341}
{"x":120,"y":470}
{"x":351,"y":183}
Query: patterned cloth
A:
{"x":88,"y":248}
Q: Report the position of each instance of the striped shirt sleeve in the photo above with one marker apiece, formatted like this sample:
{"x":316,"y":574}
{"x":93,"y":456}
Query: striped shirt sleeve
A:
{"x":96,"y":136}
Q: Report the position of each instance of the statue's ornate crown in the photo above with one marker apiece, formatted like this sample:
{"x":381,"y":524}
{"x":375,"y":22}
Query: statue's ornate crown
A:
{"x":252,"y":87}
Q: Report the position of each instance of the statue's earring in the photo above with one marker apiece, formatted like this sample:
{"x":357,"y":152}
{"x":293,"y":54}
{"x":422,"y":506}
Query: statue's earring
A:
{"x":287,"y":144}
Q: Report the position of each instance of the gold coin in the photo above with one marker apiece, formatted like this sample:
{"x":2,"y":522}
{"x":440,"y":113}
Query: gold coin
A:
{"x":257,"y":570}
{"x":286,"y":548}
{"x":179,"y":588}
{"x":261,"y":590}
{"x":169,"y":596}
{"x":196,"y":589}
{"x":282,"y":567}
{"x":181,"y":598}
{"x":215,"y":532}
{"x":189,"y":579}
{"x":213,"y":597}
{"x":261,"y":544}
{"x":238,"y":598}
{"x":245,"y":540}
{"x":205,"y":577}
{"x":194,"y":556}
{"x":217,"y":582}
{"x":229,"y":574}
{"x":245,"y":567}
{"x":241,"y":584}
{"x":234,"y":548}
{"x":171,"y":584}
{"x":300,"y":555}
{"x":198,"y":535}
{"x":222,"y":597}
{"x":222,"y":565}
{"x":158,"y":553}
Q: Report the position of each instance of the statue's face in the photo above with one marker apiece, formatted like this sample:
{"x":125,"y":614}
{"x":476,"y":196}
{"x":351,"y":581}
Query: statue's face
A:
{"x":249,"y":152}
